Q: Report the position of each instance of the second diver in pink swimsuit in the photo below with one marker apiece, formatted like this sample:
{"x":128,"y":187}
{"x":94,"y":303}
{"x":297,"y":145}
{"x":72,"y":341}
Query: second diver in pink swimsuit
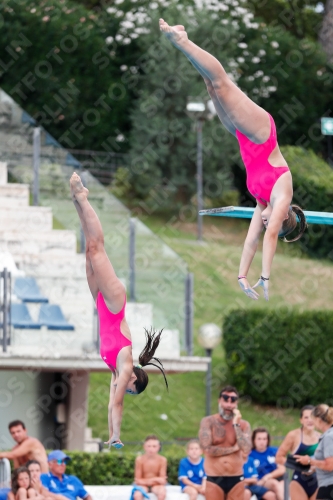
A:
{"x":110,"y":297}
{"x":268,"y":176}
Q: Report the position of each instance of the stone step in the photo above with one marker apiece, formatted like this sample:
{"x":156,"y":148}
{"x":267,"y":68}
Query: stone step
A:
{"x":14,"y":195}
{"x":169,"y":347}
{"x":26,"y":219}
{"x":47,"y":242}
{"x":50,"y":341}
{"x":53,"y":266}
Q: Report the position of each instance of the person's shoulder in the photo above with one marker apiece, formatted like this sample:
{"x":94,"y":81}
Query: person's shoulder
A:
{"x":245,"y":424}
{"x":293,"y":434}
{"x":45,"y":475}
{"x":272,"y":450}
{"x":183,"y":461}
{"x":72,"y":479}
{"x":33,"y":440}
{"x":209,"y":419}
{"x":162,"y":459}
{"x":250,"y":459}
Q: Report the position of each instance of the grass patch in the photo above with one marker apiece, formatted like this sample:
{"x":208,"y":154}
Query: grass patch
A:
{"x":57,"y":224}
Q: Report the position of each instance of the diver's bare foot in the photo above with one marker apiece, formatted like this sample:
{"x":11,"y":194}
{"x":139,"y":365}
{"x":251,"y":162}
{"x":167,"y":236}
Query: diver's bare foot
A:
{"x":176,"y":34}
{"x":78,"y":191}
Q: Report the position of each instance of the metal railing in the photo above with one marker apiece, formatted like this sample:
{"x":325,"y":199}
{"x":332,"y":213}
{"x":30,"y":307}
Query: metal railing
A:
{"x":5,"y":473}
{"x":5,"y":303}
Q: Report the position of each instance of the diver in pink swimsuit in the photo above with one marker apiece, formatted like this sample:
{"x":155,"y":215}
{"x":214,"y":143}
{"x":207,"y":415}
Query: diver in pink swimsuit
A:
{"x":110,"y":297}
{"x":268,"y":176}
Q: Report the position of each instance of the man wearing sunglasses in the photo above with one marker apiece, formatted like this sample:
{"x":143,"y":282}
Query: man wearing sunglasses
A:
{"x":58,"y":482}
{"x":224,"y":438}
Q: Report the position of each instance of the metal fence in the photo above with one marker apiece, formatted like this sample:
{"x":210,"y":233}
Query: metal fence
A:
{"x":5,"y":307}
{"x":159,"y":275}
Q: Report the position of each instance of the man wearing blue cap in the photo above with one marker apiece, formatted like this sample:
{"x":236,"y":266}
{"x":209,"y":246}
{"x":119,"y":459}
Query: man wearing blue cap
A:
{"x":57,"y":481}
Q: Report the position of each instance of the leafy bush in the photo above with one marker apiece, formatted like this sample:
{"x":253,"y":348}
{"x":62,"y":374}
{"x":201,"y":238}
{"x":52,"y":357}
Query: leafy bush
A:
{"x":281,"y":357}
{"x":114,"y":468}
{"x":313,"y":190}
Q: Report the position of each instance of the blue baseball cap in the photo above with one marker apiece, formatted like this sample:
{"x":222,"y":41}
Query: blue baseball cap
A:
{"x":58,"y":455}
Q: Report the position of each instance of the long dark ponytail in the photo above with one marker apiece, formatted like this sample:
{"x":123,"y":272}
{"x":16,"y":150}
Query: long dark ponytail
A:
{"x":290,"y":224}
{"x":147,"y":354}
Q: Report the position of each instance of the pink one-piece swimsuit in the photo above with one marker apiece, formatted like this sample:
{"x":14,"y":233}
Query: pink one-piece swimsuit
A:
{"x":260,"y":174}
{"x":111,"y":338}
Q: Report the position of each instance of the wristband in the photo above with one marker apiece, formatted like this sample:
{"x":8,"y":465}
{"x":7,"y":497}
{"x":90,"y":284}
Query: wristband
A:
{"x":236,"y":425}
{"x":264,"y":279}
{"x":241,"y":277}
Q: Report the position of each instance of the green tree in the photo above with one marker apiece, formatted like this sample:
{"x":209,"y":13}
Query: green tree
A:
{"x":284,"y":75}
{"x":302,"y":18}
{"x":62,"y":64}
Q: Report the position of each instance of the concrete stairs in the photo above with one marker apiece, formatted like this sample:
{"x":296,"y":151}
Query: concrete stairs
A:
{"x":50,"y":257}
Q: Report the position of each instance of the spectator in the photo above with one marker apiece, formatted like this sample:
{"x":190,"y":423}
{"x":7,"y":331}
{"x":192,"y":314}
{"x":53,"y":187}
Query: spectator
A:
{"x":56,"y":481}
{"x":151,"y":470}
{"x":35,"y":473}
{"x":21,"y":484}
{"x":251,"y":483}
{"x":270,"y":474}
{"x":27,"y":448}
{"x":323,"y":457}
{"x":191,"y":473}
{"x":224,"y":437}
{"x":303,"y":441}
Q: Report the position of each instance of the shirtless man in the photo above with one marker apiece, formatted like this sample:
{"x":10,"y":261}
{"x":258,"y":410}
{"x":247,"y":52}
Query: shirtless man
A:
{"x":151,"y":470}
{"x":27,"y":448}
{"x":224,"y":437}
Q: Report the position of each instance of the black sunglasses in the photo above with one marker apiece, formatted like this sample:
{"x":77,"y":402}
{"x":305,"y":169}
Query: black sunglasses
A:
{"x":225,"y":397}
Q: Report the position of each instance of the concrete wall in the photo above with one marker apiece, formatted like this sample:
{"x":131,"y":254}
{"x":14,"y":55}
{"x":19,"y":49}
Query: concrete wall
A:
{"x":23,"y":396}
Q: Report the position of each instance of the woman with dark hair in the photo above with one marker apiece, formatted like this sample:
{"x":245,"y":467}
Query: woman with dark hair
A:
{"x":270,"y":474}
{"x":21,"y":484}
{"x":303,"y":441}
{"x":323,"y":457}
{"x":110,"y":298}
{"x":268,"y":176}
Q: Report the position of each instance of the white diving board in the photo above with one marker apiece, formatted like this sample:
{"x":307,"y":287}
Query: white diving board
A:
{"x":247,"y":213}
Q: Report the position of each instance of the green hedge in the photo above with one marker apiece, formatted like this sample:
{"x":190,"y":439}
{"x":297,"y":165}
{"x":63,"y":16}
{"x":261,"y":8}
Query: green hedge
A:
{"x":113,"y":468}
{"x":313,"y":190}
{"x":280,"y":357}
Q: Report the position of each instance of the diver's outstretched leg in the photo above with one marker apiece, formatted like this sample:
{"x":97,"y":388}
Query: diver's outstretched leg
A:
{"x":246,"y":115}
{"x":100,"y":273}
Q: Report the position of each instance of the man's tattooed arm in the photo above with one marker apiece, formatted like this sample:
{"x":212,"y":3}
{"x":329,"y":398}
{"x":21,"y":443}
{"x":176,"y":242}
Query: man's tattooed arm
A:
{"x":205,"y":437}
{"x":243,"y":436}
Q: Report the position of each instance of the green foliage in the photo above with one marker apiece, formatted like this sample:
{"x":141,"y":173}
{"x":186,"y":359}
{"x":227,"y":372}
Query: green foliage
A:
{"x":298,"y":17}
{"x":313,"y":190}
{"x":283,"y":76}
{"x":287,"y":77}
{"x":114,"y":468}
{"x":57,"y":64}
{"x":281,"y":357}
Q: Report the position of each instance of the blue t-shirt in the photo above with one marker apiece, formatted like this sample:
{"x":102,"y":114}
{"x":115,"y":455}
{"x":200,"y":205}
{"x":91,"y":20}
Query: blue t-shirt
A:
{"x":70,"y":486}
{"x":264,"y":461}
{"x":250,"y":470}
{"x":194,"y":472}
{"x":3,"y":493}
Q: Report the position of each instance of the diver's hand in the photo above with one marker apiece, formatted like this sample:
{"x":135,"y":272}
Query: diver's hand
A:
{"x":264,"y":284}
{"x":246,"y":287}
